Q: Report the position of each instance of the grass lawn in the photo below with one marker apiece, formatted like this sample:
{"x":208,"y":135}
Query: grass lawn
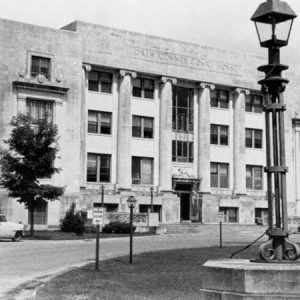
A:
{"x":175,"y":274}
{"x":60,"y":235}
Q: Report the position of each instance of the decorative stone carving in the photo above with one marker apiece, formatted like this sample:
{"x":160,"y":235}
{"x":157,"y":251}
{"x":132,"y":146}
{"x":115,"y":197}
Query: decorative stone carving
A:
{"x":164,"y":79}
{"x":87,"y":67}
{"x":59,"y":78}
{"x":41,"y":78}
{"x":21,"y":73}
{"x":125,"y":72}
{"x":242,"y":90}
{"x":204,"y":85}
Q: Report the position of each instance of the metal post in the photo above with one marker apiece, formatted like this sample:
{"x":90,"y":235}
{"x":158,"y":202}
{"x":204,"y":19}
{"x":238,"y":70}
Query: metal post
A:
{"x":220,"y":234}
{"x":131,"y":232}
{"x":97,"y":246}
{"x":151,"y":193}
{"x":102,"y":195}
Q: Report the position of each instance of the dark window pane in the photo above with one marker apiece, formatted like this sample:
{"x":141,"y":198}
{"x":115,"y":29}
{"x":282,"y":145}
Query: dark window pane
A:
{"x":148,"y":128}
{"x":191,"y":151}
{"x":40,"y":109}
{"x":136,"y":176}
{"x":257,"y":104}
{"x":174,"y":118}
{"x":40,"y":65}
{"x":224,"y":135}
{"x":93,"y":86}
{"x":224,"y":99}
{"x":92,"y":168}
{"x":213,"y":98}
{"x":105,"y":123}
{"x":248,"y":138}
{"x":213,"y":134}
{"x":137,"y":87}
{"x":92,"y":122}
{"x":104,"y":168}
{"x":249,"y":179}
{"x":213,"y":175}
{"x":248,"y":104}
{"x":223,"y":175}
{"x":149,"y":88}
{"x":106,"y":87}
{"x":136,"y":126}
{"x":257,"y":174}
{"x":257,"y":139}
{"x":173,"y":150}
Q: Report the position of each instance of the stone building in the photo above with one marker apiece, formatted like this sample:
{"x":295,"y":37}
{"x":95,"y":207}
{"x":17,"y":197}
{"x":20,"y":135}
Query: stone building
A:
{"x":137,"y":111}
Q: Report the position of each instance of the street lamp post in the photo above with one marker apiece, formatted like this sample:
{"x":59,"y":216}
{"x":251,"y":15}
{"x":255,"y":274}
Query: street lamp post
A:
{"x":273,"y":21}
{"x":151,"y":194}
{"x":131,"y":201}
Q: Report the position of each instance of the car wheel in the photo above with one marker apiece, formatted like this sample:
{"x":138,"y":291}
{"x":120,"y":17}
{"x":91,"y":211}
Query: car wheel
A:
{"x":17,"y":237}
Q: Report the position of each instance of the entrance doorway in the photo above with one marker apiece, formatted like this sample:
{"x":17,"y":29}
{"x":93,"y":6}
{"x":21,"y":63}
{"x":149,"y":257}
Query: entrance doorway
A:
{"x":185,"y":206}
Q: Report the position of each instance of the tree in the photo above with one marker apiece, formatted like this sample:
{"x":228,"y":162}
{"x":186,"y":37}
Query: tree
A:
{"x":30,"y":156}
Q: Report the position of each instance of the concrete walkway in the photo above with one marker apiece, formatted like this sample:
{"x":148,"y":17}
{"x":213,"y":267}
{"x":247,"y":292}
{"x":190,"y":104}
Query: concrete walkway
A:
{"x":28,"y":260}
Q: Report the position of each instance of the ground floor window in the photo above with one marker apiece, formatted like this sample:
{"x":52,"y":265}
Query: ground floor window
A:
{"x":98,"y":167}
{"x":145,"y":208}
{"x":142,"y":170}
{"x":40,"y":215}
{"x":230,"y":214}
{"x":261,"y":216}
{"x":219,"y":175}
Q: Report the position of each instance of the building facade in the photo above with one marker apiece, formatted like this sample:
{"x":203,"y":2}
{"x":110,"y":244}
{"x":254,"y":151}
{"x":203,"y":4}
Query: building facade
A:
{"x":136,"y":111}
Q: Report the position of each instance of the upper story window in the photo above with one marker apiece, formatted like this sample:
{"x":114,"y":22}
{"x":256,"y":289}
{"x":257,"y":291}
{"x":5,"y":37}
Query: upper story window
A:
{"x":183,"y":109}
{"x":253,"y":103}
{"x":219,"y":98}
{"x":142,"y":170}
{"x":39,"y":109}
{"x":40,"y":65}
{"x":182,"y":151}
{"x":219,"y":175}
{"x":143,"y":88}
{"x":142,"y":127}
{"x":99,"y":122}
{"x":98,"y":167}
{"x":219,"y":134}
{"x":100,"y":81}
{"x":254,"y":177}
{"x":253,"y":138}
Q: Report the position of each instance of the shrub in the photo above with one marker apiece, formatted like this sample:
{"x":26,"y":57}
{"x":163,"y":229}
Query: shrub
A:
{"x":73,"y":221}
{"x":117,"y":227}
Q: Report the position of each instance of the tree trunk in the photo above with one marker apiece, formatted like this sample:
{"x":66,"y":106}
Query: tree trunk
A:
{"x":31,"y":211}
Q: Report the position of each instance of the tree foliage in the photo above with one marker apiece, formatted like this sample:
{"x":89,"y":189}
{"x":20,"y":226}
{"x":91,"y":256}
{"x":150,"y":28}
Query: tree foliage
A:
{"x":30,"y":156}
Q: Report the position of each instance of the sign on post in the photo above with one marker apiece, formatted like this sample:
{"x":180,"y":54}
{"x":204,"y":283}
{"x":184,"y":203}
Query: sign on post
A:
{"x":98,"y":216}
{"x":221,"y":217}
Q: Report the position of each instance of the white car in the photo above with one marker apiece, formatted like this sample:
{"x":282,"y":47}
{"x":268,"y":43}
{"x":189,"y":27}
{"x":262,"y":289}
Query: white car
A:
{"x":10,"y":230}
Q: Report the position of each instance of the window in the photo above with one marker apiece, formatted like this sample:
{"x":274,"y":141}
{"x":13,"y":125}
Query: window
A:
{"x":253,"y":103}
{"x":219,"y":175}
{"x":143,"y":88}
{"x":219,"y":98}
{"x":40,"y":65}
{"x":182,"y":111}
{"x":100,"y":81}
{"x":40,"y":214}
{"x":98,"y":167}
{"x":39,"y":109}
{"x":253,"y":138}
{"x":254,"y":177}
{"x":142,"y":170}
{"x":230,"y":214}
{"x":99,"y":122}
{"x":218,"y":134}
{"x":182,"y":151}
{"x":142,"y":127}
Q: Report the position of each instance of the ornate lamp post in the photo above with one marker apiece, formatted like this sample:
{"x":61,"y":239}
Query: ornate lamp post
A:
{"x":273,"y":20}
{"x":131,"y":201}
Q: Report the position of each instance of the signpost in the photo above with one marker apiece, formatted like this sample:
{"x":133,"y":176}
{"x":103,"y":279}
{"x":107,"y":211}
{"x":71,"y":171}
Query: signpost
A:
{"x":98,"y":219}
{"x":221,"y":220}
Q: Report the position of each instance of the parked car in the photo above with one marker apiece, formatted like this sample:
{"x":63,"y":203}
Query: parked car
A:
{"x":10,"y":230}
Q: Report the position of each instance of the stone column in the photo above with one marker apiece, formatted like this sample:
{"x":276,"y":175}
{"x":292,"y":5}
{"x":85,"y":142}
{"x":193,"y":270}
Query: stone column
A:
{"x":124,"y":131}
{"x":165,"y":142}
{"x":204,"y":136}
{"x":86,"y":68}
{"x":239,"y":155}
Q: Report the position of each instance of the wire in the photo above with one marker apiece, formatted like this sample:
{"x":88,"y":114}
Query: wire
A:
{"x":248,"y":246}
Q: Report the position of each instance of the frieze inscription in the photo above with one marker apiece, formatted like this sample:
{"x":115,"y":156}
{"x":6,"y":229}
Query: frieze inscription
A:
{"x":166,"y":57}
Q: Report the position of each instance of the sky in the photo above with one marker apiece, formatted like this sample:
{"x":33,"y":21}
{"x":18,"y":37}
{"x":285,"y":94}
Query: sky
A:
{"x":218,"y":23}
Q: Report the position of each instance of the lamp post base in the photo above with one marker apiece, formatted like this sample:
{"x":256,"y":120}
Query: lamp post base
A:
{"x":241,"y":279}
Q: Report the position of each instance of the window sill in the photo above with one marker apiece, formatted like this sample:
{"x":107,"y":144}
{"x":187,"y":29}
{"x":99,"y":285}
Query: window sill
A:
{"x":100,"y":134}
{"x":182,"y":163}
{"x":141,"y":98}
{"x":142,"y":139}
{"x":104,"y":93}
{"x":219,"y":108}
{"x":254,"y":113}
{"x":256,"y":149}
{"x":220,"y":146}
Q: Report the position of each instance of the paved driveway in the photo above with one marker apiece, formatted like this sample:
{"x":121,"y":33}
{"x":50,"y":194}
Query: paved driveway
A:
{"x":27,"y":260}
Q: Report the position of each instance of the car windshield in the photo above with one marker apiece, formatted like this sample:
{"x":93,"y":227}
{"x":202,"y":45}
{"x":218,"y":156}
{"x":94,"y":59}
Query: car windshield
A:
{"x":2,"y":219}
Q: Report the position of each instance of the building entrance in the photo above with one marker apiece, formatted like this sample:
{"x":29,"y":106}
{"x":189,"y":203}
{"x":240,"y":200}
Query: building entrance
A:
{"x":185,"y":204}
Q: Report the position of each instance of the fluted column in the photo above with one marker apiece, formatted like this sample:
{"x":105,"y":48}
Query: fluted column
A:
{"x":165,"y":143}
{"x":124,"y":131}
{"x":204,"y":136}
{"x":239,"y":159}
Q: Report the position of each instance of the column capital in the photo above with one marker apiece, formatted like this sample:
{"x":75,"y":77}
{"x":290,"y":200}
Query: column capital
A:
{"x":87,"y":67}
{"x":204,"y":85}
{"x":126,"y":72}
{"x":242,"y":90}
{"x":164,"y":79}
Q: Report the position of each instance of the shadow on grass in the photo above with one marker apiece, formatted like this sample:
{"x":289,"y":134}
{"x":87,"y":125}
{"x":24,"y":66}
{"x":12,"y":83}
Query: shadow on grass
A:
{"x":175,"y":274}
